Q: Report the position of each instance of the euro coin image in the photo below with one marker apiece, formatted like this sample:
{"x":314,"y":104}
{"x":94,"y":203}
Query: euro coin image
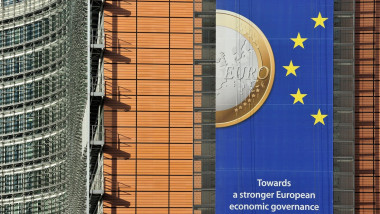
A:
{"x":245,"y":68}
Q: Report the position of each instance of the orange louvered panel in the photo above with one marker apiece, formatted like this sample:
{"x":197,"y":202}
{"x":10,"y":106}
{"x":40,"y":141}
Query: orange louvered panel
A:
{"x":148,"y":108}
{"x":367,"y":120}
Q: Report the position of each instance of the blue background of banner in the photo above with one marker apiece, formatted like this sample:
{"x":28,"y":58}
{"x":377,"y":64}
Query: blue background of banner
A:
{"x":280,"y":141}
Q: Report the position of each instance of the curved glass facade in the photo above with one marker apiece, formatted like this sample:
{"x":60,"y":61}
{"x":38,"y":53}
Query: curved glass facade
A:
{"x":38,"y":105}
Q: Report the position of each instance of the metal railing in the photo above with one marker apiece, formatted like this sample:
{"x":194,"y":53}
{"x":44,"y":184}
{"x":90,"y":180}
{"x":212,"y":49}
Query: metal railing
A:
{"x":98,"y":36}
{"x":97,"y":83}
{"x":97,"y":182}
{"x":97,"y":133}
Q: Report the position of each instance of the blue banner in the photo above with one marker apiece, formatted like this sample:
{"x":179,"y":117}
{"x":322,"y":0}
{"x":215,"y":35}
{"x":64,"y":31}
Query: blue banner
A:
{"x":274,"y":89}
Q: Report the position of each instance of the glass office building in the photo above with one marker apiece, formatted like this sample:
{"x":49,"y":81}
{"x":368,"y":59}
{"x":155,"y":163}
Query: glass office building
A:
{"x":43,"y":92}
{"x":109,"y":106}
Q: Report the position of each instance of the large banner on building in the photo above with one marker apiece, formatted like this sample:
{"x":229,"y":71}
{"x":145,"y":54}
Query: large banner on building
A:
{"x":274,"y":96}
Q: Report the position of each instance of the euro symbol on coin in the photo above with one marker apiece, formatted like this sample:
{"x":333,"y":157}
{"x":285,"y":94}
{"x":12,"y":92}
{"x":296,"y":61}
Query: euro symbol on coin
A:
{"x":245,"y":68}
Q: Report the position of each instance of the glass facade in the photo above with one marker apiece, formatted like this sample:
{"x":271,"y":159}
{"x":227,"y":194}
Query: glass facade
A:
{"x":48,"y":205}
{"x":204,"y":106}
{"x":344,"y":107}
{"x":36,"y":151}
{"x":33,"y":120}
{"x":38,"y":100}
{"x":25,"y":33}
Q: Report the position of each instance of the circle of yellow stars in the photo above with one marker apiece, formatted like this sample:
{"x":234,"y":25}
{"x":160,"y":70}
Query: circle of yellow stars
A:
{"x":291,"y":69}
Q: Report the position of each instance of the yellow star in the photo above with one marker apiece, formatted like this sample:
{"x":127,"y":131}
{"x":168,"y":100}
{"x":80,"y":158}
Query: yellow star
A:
{"x":319,"y":117}
{"x":319,"y":21}
{"x":298,"y":97}
{"x":298,"y":41}
{"x":291,"y":69}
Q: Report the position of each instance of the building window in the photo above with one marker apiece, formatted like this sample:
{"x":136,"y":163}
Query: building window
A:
{"x":11,"y":2}
{"x":9,"y":37}
{"x":7,"y":2}
{"x":29,"y":120}
{"x":29,"y":32}
{"x":9,"y":66}
{"x":14,"y":36}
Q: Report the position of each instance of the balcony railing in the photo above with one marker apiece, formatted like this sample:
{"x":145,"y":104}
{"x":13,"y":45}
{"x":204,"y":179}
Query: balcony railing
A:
{"x":97,"y":135}
{"x":97,"y":85}
{"x":97,"y":182}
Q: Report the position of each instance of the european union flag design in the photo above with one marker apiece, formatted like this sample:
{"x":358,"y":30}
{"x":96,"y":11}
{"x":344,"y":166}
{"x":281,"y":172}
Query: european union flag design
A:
{"x":274,"y":139}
